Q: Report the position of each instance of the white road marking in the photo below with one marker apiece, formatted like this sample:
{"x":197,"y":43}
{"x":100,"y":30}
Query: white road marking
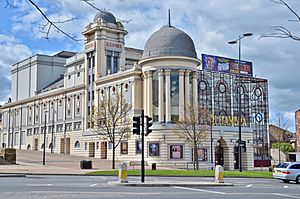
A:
{"x":287,"y":196}
{"x":38,"y":185}
{"x":249,"y":185}
{"x":200,"y":190}
{"x":94,"y":192}
{"x":92,"y":185}
{"x":285,"y":187}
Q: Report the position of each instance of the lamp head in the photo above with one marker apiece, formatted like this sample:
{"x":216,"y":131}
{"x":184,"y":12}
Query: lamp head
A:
{"x":232,"y":42}
{"x":248,"y":34}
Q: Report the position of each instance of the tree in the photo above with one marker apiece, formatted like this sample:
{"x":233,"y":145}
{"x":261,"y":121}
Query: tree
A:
{"x":279,"y":128}
{"x":284,"y":147}
{"x":281,"y":31}
{"x":110,"y":119}
{"x":193,"y":129}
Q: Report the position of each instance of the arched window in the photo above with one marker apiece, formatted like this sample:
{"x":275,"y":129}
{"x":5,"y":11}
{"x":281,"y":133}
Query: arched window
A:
{"x":77,"y":144}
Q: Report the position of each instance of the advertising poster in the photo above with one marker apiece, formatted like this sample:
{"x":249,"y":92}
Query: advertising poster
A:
{"x":202,"y":154}
{"x":176,"y":151}
{"x":138,"y":147}
{"x":154,"y":149}
{"x":226,"y":65}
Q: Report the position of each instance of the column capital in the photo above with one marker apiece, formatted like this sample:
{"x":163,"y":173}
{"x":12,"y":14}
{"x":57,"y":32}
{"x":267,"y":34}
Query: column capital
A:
{"x":160,"y":72}
{"x":145,"y":75}
{"x":187,"y":72}
{"x":149,"y":73}
{"x":194,"y":74}
{"x":181,"y":72}
{"x":168,"y":72}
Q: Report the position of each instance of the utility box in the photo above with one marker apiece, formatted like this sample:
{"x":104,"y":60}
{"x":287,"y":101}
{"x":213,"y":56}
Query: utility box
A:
{"x":219,"y":174}
{"x":85,"y":164}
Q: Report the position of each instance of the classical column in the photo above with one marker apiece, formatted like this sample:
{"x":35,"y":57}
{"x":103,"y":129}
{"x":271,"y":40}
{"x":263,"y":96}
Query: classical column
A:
{"x":187,"y":89}
{"x":161,"y":96}
{"x":149,"y":85}
{"x":195,"y":89}
{"x":181,"y":94}
{"x":145,"y":80}
{"x":168,"y":95}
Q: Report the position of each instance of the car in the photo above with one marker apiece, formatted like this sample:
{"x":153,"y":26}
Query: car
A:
{"x":287,"y":171}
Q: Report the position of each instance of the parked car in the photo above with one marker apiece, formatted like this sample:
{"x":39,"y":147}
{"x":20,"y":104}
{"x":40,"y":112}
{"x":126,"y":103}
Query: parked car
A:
{"x":287,"y":171}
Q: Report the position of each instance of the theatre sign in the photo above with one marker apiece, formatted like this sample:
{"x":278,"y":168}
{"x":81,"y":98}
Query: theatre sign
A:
{"x":220,"y":120}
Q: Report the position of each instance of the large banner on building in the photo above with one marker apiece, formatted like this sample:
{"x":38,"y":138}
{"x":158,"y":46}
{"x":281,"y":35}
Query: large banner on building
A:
{"x":226,"y":65}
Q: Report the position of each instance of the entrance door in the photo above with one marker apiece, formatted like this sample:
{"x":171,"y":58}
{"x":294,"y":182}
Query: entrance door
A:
{"x":62,"y":145}
{"x":236,"y":158}
{"x":103,"y":151}
{"x":68,"y":146}
{"x":92,"y":149}
{"x":36,"y":144}
{"x":219,"y":154}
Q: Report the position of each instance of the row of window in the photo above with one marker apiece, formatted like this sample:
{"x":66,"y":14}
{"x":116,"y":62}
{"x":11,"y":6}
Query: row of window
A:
{"x":59,"y":128}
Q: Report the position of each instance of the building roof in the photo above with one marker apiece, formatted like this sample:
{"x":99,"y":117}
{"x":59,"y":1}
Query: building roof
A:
{"x":65,"y":54}
{"x":169,"y":41}
{"x":59,"y":82}
{"x":105,"y":16}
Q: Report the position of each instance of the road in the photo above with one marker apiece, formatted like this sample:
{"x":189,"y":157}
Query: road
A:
{"x":96,"y":187}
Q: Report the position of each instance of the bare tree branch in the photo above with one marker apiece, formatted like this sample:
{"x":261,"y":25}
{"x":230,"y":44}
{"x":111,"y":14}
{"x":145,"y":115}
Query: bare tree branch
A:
{"x":281,"y":31}
{"x":52,"y":24}
{"x":8,"y":4}
{"x":193,"y":129}
{"x":111,"y":120}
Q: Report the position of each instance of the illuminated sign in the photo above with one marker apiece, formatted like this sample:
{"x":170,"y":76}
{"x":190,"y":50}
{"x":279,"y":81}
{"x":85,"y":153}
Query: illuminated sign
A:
{"x":226,"y":65}
{"x":220,"y":120}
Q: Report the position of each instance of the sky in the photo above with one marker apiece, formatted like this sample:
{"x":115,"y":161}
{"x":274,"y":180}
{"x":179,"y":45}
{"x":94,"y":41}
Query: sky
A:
{"x":210,"y":23}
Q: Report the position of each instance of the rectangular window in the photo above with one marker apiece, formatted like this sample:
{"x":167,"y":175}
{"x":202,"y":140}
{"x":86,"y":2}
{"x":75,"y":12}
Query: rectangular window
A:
{"x":93,"y":95}
{"x":93,"y":61}
{"x":78,"y":74}
{"x":154,"y":149}
{"x":115,"y":65}
{"x":23,"y":138}
{"x":16,"y":138}
{"x":176,"y":152}
{"x":89,"y":79}
{"x":69,"y":76}
{"x":124,"y":148}
{"x":93,"y":77}
{"x":108,"y":65}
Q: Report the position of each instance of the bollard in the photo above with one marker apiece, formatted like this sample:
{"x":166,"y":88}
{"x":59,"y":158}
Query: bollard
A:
{"x":219,"y":174}
{"x":123,"y":173}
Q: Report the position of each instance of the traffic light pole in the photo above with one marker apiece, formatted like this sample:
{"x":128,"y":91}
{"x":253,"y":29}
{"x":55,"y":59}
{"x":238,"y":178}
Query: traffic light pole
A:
{"x":143,"y":155}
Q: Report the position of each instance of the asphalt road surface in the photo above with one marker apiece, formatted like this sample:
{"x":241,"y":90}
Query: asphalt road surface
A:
{"x":96,"y":187}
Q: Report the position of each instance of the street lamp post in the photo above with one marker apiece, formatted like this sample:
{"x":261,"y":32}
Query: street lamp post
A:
{"x":239,"y":95}
{"x":45,"y":128}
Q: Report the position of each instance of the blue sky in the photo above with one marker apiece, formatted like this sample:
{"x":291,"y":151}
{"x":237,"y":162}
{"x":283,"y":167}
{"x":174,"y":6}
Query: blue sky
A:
{"x":211,"y":24}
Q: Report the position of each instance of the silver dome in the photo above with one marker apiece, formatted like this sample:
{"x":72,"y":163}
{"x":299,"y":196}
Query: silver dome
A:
{"x":169,"y":41}
{"x":106,"y":16}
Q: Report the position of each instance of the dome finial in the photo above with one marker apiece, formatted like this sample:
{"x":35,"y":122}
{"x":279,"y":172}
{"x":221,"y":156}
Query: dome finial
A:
{"x":169,"y":18}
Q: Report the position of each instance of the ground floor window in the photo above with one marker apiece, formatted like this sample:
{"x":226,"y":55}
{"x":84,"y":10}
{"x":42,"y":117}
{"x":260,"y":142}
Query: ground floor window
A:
{"x":154,"y":149}
{"x":124,"y":148}
{"x":176,"y":151}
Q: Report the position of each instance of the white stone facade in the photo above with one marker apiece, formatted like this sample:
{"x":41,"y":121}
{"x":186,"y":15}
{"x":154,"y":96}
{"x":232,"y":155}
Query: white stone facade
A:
{"x":161,"y":85}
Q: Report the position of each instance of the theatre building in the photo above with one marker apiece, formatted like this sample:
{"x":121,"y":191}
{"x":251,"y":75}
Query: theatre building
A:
{"x":60,"y":92}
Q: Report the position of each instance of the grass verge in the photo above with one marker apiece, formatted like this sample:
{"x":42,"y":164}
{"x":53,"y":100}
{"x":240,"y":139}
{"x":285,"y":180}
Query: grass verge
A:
{"x":200,"y":173}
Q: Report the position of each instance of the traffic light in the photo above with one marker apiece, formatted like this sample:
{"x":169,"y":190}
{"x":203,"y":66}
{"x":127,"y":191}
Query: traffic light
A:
{"x":148,"y":125}
{"x":136,"y":125}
